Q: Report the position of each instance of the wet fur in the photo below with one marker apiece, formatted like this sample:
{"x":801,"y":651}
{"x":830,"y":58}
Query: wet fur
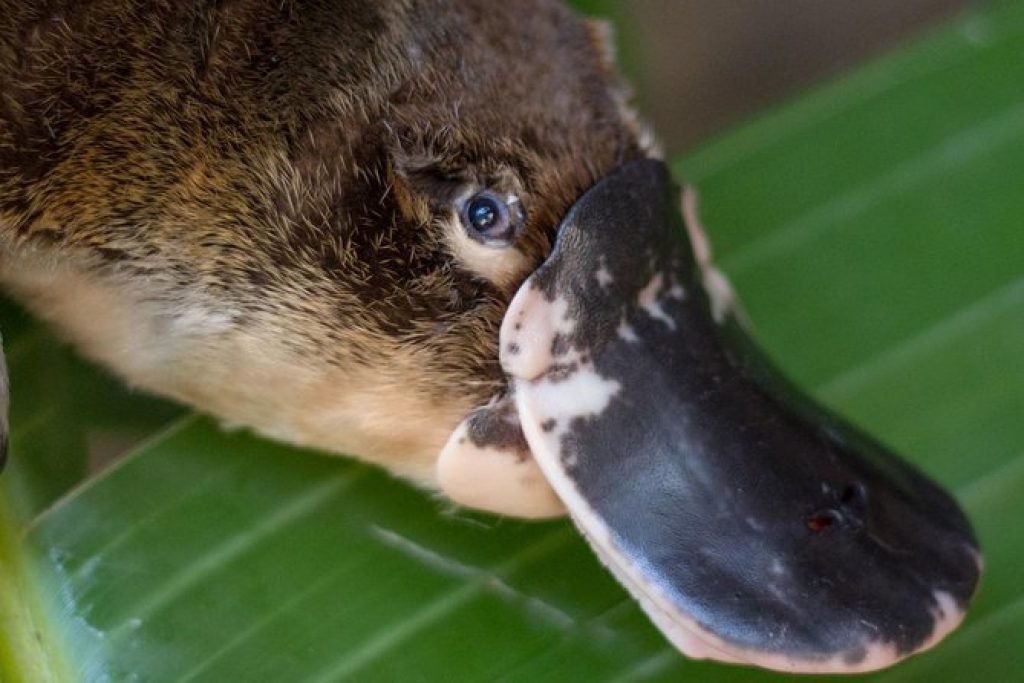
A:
{"x":247,"y":205}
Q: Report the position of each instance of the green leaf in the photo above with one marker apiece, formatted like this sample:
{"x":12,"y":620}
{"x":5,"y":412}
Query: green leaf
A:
{"x":873,"y":229}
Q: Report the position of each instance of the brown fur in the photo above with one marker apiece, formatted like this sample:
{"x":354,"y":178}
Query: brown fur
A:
{"x":261,"y":186}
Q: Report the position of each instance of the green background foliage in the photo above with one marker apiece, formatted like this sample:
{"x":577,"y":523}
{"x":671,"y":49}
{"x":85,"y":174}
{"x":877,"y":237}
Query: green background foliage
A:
{"x":873,"y":228}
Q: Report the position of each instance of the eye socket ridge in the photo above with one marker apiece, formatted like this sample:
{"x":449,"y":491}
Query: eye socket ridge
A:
{"x":492,"y":219}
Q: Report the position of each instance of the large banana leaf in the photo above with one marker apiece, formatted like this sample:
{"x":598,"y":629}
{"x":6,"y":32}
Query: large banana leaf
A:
{"x":875,"y":229}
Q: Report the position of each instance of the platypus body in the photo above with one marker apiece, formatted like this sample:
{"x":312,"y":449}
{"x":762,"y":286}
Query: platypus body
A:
{"x":433,"y":235}
{"x":257,"y":208}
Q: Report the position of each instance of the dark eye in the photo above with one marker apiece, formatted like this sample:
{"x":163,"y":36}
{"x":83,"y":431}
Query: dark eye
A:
{"x":492,"y":219}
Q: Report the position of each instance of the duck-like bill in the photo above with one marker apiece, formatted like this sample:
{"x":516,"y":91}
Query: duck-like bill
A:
{"x":751,"y":524}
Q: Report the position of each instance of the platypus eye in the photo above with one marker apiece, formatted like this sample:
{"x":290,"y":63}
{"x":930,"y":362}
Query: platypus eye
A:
{"x":492,"y":219}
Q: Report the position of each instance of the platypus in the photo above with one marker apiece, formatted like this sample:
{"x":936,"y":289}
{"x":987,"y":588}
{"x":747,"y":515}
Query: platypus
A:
{"x":437,"y":237}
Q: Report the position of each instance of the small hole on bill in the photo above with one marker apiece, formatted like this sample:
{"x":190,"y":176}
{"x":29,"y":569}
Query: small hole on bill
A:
{"x":853,"y":492}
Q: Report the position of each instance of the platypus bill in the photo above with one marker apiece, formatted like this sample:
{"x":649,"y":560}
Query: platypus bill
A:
{"x":434,"y":236}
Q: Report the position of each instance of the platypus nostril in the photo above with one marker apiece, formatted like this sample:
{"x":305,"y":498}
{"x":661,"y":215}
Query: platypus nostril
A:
{"x":854,"y":503}
{"x":854,"y":495}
